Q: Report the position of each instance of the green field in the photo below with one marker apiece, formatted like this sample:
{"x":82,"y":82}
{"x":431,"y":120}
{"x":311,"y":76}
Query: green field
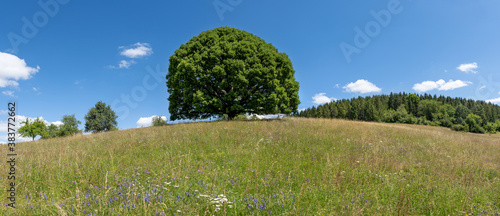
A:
{"x":294,"y":166}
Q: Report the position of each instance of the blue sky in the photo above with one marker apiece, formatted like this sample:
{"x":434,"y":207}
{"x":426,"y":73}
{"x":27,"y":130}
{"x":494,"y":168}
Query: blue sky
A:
{"x":60,"y":57}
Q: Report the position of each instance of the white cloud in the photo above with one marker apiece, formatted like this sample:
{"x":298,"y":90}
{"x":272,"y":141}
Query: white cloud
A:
{"x":56,"y":123}
{"x":321,"y":98}
{"x":450,"y":85}
{"x":35,"y":89}
{"x":440,"y":85}
{"x":147,"y":121}
{"x":426,"y":86}
{"x":362,"y":86}
{"x":13,"y":69}
{"x":495,"y":100}
{"x":137,"y":50}
{"x":468,"y":68}
{"x":4,"y":112}
{"x":482,"y":87}
{"x":8,"y":93}
{"x":125,"y":63}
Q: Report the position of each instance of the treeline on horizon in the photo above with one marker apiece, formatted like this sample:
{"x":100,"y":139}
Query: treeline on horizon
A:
{"x":459,"y":114}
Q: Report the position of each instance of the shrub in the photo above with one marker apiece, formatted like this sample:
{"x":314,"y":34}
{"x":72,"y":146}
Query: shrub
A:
{"x":159,"y":121}
{"x":458,"y":127}
{"x":490,"y":127}
{"x":474,"y":122}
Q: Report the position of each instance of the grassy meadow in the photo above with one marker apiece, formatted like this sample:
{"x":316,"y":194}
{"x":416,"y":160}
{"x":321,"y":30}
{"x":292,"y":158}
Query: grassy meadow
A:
{"x":294,"y":166}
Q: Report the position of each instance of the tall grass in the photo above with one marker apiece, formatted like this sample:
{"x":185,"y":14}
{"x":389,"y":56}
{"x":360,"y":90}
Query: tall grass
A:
{"x":287,"y":167}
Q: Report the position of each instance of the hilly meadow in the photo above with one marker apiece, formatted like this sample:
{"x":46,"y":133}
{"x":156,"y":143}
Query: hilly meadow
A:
{"x":236,"y":107}
{"x":293,"y":166}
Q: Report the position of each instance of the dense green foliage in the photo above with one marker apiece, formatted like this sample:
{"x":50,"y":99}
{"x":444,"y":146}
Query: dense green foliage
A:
{"x":33,"y":129}
{"x":229,"y":71}
{"x":456,"y":113}
{"x":52,"y":132}
{"x":159,"y":121}
{"x":68,"y":127}
{"x":100,"y":118}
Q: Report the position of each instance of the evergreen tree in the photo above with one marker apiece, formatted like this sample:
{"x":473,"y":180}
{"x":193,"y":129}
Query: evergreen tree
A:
{"x":414,"y":109}
{"x":100,"y":118}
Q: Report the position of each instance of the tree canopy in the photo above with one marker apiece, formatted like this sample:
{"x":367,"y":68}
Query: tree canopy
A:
{"x":52,"y":132}
{"x":69,"y":126}
{"x":100,"y":118}
{"x":33,"y":129}
{"x":230,"y":71}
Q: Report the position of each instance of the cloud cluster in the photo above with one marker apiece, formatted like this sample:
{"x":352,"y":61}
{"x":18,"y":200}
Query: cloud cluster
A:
{"x":137,"y":50}
{"x":440,"y":85}
{"x":12,"y":69}
{"x":362,"y":86}
{"x":468,"y":68}
{"x":147,"y":121}
{"x":321,"y":98}
{"x":495,"y":100}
